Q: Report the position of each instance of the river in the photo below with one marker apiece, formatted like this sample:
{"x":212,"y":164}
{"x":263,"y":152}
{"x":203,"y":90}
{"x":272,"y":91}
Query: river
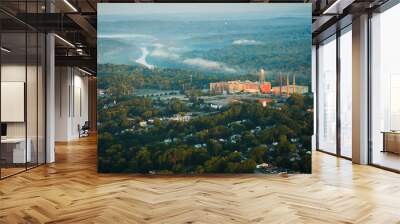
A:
{"x":142,"y":59}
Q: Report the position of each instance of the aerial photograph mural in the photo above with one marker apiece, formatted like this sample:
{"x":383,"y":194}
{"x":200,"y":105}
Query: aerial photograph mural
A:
{"x":188,"y":88}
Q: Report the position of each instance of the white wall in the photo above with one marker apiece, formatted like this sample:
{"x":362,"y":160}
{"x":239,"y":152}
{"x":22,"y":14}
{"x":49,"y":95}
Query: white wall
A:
{"x":80,"y":111}
{"x":17,"y":73}
{"x":62,"y":82}
{"x":33,"y":126}
{"x":12,"y":73}
{"x":71,"y":102}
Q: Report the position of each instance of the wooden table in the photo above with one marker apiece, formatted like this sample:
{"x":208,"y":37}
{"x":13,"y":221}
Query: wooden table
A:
{"x":391,"y":141}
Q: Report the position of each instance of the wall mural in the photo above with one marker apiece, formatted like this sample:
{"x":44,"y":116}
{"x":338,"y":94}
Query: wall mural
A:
{"x":204,"y":88}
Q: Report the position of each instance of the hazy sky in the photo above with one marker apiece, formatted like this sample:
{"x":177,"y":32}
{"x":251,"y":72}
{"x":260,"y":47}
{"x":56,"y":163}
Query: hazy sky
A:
{"x":203,"y":10}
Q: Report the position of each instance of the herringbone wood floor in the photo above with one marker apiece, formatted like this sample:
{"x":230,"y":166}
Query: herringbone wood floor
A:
{"x":70,"y":191}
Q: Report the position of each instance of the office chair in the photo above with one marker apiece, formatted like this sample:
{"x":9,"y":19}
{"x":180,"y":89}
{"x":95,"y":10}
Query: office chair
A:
{"x":84,"y":130}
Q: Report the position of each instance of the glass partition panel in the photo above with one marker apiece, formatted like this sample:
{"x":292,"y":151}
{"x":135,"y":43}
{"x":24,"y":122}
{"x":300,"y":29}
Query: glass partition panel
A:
{"x":327,"y":96}
{"x":22,"y":64}
{"x":31,"y":98}
{"x":14,"y":153}
{"x":385,"y":89}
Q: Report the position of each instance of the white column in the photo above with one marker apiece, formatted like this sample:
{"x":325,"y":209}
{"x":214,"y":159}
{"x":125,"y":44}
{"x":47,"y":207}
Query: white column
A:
{"x":50,"y":99}
{"x":360,"y":90}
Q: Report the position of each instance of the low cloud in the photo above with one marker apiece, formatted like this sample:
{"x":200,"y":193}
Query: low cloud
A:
{"x":207,"y":64}
{"x":163,"y":52}
{"x":246,"y":42}
{"x":174,"y":49}
{"x":158,"y":45}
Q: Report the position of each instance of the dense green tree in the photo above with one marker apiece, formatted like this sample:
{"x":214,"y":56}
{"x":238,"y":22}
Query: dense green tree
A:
{"x":144,"y":162}
{"x":232,"y":139}
{"x":257,"y":154}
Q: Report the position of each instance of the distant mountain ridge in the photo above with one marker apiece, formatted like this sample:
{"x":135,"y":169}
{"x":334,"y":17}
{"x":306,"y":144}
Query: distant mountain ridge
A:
{"x":279,"y":45}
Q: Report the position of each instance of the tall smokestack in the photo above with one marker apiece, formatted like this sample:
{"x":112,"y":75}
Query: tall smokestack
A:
{"x":294,"y":84}
{"x":287,"y":86}
{"x":280,"y":86}
{"x":262,"y":76}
